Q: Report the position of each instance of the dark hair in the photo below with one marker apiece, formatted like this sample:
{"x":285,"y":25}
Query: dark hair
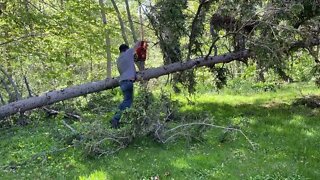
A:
{"x":123,"y":47}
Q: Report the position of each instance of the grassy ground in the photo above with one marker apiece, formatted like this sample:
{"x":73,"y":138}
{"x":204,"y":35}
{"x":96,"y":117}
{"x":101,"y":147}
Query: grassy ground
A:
{"x":286,"y":136}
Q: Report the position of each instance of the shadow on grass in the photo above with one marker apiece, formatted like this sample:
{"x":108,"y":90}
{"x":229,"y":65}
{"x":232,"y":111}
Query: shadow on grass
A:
{"x":288,"y":147}
{"x":287,"y":138}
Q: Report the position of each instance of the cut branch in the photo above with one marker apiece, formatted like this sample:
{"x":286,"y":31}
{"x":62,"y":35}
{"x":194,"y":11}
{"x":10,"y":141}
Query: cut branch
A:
{"x":210,"y":125}
{"x":52,"y":112}
{"x":69,"y":127}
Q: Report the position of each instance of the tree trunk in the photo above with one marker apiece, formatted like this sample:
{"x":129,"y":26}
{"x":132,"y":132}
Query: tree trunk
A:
{"x":13,"y":84}
{"x":6,"y":87}
{"x":133,"y":32}
{"x":260,"y":70}
{"x":27,"y":85}
{"x":197,"y":25}
{"x":108,"y":43}
{"x":123,"y":29}
{"x":283,"y":75}
{"x":80,"y":90}
{"x":141,"y":23}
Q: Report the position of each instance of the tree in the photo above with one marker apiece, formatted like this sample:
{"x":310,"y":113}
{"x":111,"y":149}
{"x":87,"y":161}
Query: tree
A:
{"x":123,"y":28}
{"x":108,"y":43}
{"x":133,"y":32}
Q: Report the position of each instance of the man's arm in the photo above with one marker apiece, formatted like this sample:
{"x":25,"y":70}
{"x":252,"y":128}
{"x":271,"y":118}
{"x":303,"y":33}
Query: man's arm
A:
{"x":131,"y":51}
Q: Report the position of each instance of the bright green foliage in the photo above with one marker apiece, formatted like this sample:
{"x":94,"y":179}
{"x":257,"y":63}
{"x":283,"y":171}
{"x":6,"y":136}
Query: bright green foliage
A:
{"x":53,"y":44}
{"x":169,"y":32}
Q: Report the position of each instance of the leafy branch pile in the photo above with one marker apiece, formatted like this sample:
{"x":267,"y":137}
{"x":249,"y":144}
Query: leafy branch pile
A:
{"x":156,"y":118}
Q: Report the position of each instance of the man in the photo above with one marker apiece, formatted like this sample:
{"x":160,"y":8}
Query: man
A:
{"x":127,"y":70}
{"x":141,"y":55}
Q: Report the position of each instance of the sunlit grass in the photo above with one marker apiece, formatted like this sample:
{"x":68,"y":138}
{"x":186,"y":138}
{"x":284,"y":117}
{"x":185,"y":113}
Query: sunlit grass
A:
{"x":96,"y":175}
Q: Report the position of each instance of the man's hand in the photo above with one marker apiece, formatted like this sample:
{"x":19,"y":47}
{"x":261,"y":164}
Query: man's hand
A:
{"x":138,"y":43}
{"x":139,"y":76}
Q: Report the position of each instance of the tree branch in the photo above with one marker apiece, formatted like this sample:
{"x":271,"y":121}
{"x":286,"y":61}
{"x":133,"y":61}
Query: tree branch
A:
{"x":304,"y":44}
{"x":66,"y":115}
{"x":27,"y":85}
{"x":193,"y":27}
{"x":210,"y":125}
{"x":20,"y":38}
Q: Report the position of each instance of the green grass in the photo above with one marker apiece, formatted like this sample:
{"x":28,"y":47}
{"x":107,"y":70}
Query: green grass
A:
{"x":287,"y":144}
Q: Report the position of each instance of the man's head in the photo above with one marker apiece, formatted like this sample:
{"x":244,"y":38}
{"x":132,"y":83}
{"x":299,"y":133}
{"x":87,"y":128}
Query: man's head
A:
{"x":123,"y":48}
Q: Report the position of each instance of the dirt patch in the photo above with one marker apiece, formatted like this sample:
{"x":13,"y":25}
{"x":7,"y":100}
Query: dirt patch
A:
{"x":274,"y":104}
{"x":308,"y":101}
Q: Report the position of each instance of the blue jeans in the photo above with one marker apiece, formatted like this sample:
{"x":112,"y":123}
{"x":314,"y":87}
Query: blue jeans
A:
{"x":126,"y":87}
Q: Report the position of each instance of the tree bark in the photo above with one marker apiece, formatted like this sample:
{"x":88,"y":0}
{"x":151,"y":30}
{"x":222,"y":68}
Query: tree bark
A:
{"x":108,"y":43}
{"x":141,"y":23}
{"x":304,"y":44}
{"x":260,"y":70}
{"x":6,"y":87}
{"x":133,"y":32}
{"x":80,"y":90}
{"x":203,"y":6}
{"x":123,"y":29}
{"x":13,"y":84}
{"x":27,"y":85}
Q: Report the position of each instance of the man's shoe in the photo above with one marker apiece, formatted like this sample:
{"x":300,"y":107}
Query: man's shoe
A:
{"x":115,"y":124}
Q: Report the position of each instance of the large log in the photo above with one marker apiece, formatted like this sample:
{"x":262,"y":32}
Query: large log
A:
{"x":92,"y":87}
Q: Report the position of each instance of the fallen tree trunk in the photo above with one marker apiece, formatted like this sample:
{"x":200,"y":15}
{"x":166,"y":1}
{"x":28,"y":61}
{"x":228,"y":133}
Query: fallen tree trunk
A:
{"x":92,"y":87}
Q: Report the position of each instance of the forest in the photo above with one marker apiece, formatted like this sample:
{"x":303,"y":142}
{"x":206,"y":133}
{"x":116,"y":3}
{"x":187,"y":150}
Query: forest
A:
{"x":230,"y":89}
